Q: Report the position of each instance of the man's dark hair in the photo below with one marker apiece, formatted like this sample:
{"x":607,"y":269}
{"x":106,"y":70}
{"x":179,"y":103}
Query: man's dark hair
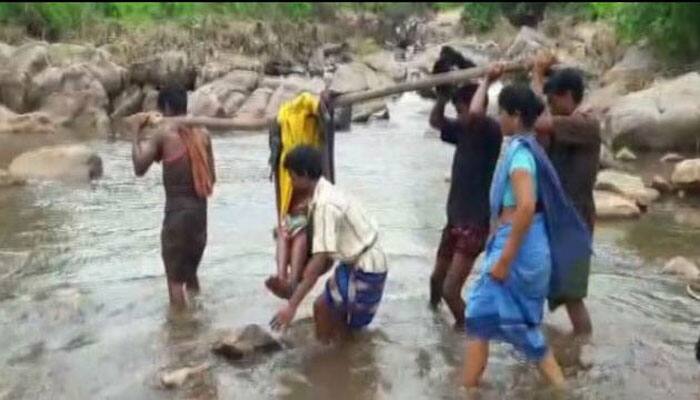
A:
{"x":566,"y":80}
{"x":304,"y":161}
{"x":450,"y":60}
{"x":174,"y":99}
{"x":464,"y":94}
{"x":519,"y":98}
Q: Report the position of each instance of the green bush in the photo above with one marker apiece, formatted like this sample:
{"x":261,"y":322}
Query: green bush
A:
{"x":672,"y":28}
{"x":480,"y":17}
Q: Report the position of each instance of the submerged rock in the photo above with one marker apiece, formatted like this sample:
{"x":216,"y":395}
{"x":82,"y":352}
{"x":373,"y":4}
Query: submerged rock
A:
{"x":252,"y":339}
{"x":72,"y":162}
{"x":682,"y":267}
{"x":627,"y":185}
{"x":8,"y":180}
{"x":686,"y":174}
{"x":177,"y":378}
{"x":611,"y":206}
{"x":660,"y":183}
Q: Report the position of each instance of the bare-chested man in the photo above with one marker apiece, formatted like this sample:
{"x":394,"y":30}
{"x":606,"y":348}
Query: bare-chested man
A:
{"x":188,"y":178}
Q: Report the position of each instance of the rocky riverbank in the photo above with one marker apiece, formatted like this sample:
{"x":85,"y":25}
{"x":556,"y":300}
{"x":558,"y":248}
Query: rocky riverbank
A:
{"x":57,"y":93}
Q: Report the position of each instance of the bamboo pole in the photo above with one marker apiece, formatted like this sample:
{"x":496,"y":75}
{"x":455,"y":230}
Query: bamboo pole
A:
{"x":451,"y":77}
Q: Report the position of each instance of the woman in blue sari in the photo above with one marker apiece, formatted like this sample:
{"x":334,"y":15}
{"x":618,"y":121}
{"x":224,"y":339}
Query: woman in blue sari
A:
{"x":536,"y":236}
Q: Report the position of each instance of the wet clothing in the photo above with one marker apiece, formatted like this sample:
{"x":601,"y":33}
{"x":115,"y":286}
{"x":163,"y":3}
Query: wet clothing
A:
{"x":343,"y":229}
{"x":574,"y":149}
{"x":476,"y":153}
{"x":557,"y":238}
{"x":468,"y":241}
{"x":184,"y":232}
{"x":512,"y":311}
{"x":354,"y":295}
{"x":183,"y":239}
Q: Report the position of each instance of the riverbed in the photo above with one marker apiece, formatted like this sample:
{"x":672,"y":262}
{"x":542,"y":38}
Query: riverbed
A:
{"x":84,"y":307}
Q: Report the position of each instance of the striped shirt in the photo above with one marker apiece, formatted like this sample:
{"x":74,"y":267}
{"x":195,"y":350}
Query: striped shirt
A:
{"x":342,"y":228}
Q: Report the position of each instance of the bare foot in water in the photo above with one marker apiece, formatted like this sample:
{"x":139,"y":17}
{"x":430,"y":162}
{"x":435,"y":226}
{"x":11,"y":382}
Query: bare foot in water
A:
{"x":278,"y":287}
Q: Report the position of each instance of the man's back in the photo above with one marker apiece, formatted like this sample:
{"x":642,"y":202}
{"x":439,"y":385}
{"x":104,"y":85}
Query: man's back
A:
{"x":475,"y":157}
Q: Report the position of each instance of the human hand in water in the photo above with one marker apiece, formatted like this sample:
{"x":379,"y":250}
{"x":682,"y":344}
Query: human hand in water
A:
{"x":283,"y":318}
{"x":500,"y":271}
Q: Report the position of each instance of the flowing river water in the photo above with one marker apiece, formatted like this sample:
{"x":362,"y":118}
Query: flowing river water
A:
{"x":83,"y":302}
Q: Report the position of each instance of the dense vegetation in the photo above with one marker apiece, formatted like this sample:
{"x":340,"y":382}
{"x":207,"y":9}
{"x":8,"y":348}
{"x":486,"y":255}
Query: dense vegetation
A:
{"x":672,"y":27}
{"x":55,"y":21}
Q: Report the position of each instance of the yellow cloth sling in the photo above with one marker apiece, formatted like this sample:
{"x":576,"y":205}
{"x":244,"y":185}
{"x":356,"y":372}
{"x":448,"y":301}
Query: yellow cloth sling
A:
{"x":298,"y":126}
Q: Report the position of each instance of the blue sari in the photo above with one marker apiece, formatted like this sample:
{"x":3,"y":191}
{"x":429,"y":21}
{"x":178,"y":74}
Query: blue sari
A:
{"x":512,"y":311}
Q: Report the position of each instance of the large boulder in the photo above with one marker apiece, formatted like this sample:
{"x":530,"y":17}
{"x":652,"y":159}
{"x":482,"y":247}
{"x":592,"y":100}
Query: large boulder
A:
{"x":224,"y":96}
{"x":326,"y":57}
{"x":384,"y":63}
{"x":287,"y":89}
{"x":165,"y":68}
{"x":128,"y":102}
{"x":9,"y":180}
{"x":356,"y":77}
{"x":29,"y":123}
{"x":98,"y":61}
{"x":682,"y":267}
{"x":629,"y":186}
{"x":77,"y":103}
{"x":223,"y":64}
{"x":16,"y":75}
{"x":611,"y":206}
{"x":663,"y":117}
{"x":686,"y":175}
{"x":71,"y":162}
{"x":255,"y":105}
{"x":635,"y":70}
{"x":150,"y":98}
{"x":73,"y":78}
{"x":527,"y":43}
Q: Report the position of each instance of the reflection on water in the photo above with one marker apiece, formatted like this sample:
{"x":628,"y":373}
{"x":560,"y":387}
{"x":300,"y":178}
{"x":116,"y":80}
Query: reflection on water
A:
{"x":84,"y":305}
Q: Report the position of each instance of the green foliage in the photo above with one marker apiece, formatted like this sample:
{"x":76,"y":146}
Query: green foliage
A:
{"x":480,"y":17}
{"x":53,"y":21}
{"x":672,"y":28}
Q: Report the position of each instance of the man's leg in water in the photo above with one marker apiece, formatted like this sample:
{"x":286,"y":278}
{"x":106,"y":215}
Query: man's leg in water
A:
{"x":580,"y":319}
{"x":459,"y":270}
{"x":442,"y":265}
{"x":328,"y":326}
{"x":178,"y":294}
{"x":437,"y":279}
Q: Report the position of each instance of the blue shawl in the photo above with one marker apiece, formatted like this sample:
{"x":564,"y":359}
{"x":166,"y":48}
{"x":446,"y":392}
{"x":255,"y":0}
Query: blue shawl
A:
{"x":569,"y":237}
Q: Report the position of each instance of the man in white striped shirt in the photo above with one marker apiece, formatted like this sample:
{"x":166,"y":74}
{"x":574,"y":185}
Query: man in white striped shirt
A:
{"x":342,"y":232}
